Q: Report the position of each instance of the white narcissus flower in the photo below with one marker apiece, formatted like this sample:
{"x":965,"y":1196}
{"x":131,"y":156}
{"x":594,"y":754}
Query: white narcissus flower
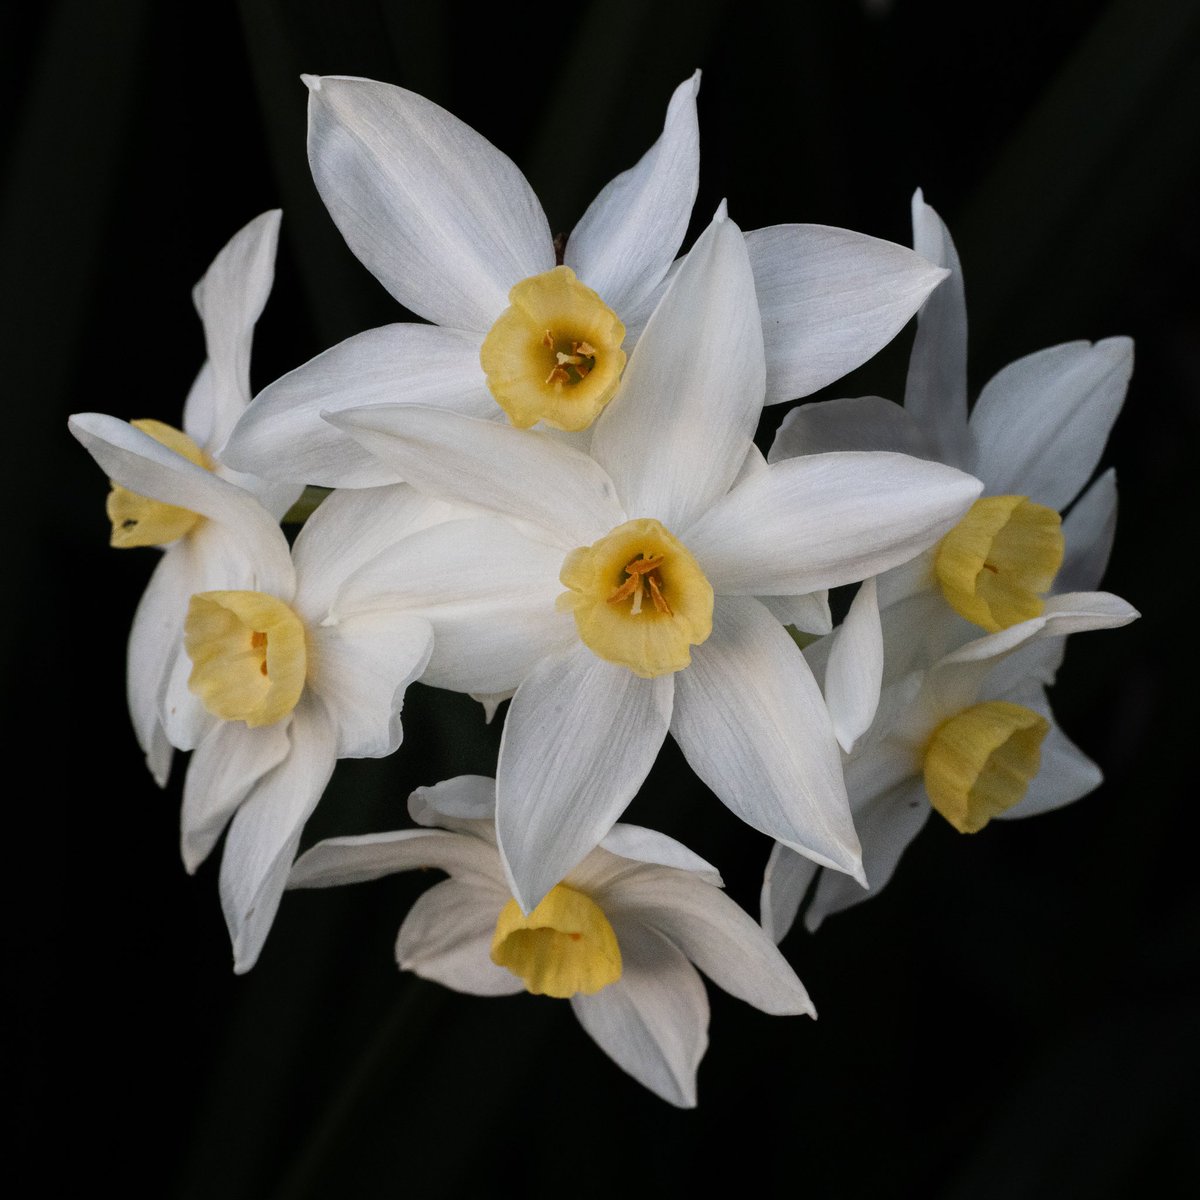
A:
{"x":972,"y":736}
{"x":618,"y":936}
{"x":451,"y":228}
{"x":229,"y":299}
{"x":292,"y":660}
{"x":662,"y":545}
{"x":1033,"y":438}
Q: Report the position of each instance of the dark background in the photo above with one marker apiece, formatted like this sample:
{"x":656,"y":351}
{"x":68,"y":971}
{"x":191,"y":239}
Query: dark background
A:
{"x":1012,"y":1017}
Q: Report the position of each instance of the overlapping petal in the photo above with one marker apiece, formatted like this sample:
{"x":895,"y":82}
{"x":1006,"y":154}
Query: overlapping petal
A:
{"x":444,"y":220}
{"x":816,"y":522}
{"x":282,"y":435}
{"x":624,"y":243}
{"x":751,"y":721}
{"x":580,"y":737}
{"x":1040,"y":424}
{"x":677,"y":433}
{"x":830,"y":299}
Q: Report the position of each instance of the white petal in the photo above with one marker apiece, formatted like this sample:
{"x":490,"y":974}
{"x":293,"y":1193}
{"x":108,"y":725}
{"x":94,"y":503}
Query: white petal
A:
{"x":464,"y":800}
{"x":199,"y":407}
{"x":625,"y":242}
{"x":751,"y":721}
{"x":230,"y":298}
{"x":785,"y":882}
{"x":677,"y":433}
{"x":139,"y":463}
{"x":360,"y":668}
{"x":830,"y":299}
{"x":854,"y":674}
{"x":1088,"y":531}
{"x":580,"y":737}
{"x":224,"y":767}
{"x":282,"y":434}
{"x":348,"y":531}
{"x":155,"y":640}
{"x":488,"y":591}
{"x":863,"y":423}
{"x":447,"y":937}
{"x":808,"y":613}
{"x":653,"y":1022}
{"x":1066,"y":775}
{"x":1040,"y":424}
{"x":523,"y":473}
{"x":432,"y":209}
{"x":265,"y":833}
{"x":887,"y":826}
{"x":726,"y":943}
{"x":649,"y":846}
{"x":936,"y":391}
{"x":826,"y":519}
{"x":338,"y":861}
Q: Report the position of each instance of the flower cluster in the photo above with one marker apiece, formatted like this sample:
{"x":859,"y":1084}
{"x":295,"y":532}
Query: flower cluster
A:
{"x":549,"y":491}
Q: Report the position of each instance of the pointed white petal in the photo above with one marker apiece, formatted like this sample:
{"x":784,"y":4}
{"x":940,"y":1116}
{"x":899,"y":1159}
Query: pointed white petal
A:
{"x":265,"y":833}
{"x":863,"y":423}
{"x":488,"y":591}
{"x":283,"y":436}
{"x":1066,"y":775}
{"x":351,"y":529}
{"x":1040,"y":424}
{"x":785,"y":882}
{"x":826,"y":519}
{"x":751,"y":721}
{"x":936,"y":391}
{"x":455,"y":457}
{"x":432,"y":209}
{"x":224,"y":767}
{"x":1088,"y":531}
{"x":727,"y":944}
{"x":200,"y":406}
{"x":447,"y":937}
{"x":361,"y":668}
{"x":230,"y":298}
{"x":649,"y":846}
{"x":887,"y":825}
{"x":580,"y":737}
{"x":338,"y":861}
{"x":155,"y":640}
{"x":625,"y":242}
{"x":653,"y":1022}
{"x":464,"y":801}
{"x":139,"y":463}
{"x":830,"y":299}
{"x":854,"y":674}
{"x":677,"y":433}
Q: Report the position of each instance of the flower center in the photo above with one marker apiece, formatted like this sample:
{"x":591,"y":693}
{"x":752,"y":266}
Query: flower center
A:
{"x":980,"y":762}
{"x":995,"y":565}
{"x":565,"y":946}
{"x":554,"y":354}
{"x":640,"y":599}
{"x":140,"y":521}
{"x":249,"y":656}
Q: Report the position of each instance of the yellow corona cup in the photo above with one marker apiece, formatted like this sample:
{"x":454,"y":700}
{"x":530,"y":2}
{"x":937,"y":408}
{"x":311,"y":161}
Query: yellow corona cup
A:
{"x":555,"y":354}
{"x":564,"y":947}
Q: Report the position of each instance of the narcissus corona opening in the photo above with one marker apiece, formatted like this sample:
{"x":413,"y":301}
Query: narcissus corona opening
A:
{"x":640,"y":599}
{"x":980,"y":762}
{"x":249,"y":656}
{"x":554,"y":354}
{"x":998,"y":562}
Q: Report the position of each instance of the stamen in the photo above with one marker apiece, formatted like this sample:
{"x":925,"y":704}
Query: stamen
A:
{"x":584,"y":348}
{"x":559,"y":375}
{"x":547,"y":338}
{"x":641,"y":565}
{"x":657,"y":596}
{"x":626,"y":589}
